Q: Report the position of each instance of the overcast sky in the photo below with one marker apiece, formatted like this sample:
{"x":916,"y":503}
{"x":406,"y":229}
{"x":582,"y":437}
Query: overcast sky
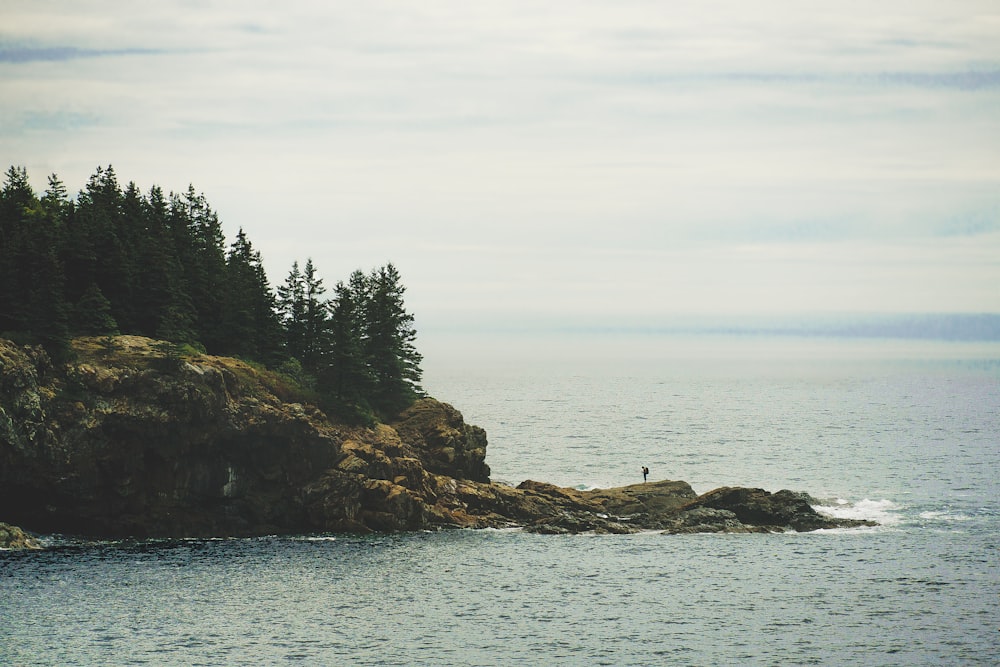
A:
{"x":536,"y":162}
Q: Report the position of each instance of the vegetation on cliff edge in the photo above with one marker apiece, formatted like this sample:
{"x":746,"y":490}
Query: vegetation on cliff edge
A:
{"x":115,"y":260}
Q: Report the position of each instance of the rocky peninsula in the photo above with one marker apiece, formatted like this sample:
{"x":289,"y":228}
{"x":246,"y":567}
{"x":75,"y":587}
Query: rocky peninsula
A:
{"x":135,"y":438}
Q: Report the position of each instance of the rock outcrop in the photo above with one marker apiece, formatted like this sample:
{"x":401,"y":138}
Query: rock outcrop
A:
{"x":136,"y":438}
{"x":12,"y":537}
{"x":774,"y":512}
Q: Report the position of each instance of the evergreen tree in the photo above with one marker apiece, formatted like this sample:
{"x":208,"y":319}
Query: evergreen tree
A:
{"x":207,"y":270}
{"x":17,"y":190}
{"x":345,"y":375}
{"x":163,"y":308}
{"x":32,"y":301}
{"x":56,"y":201}
{"x":115,"y":260}
{"x":101,"y":211}
{"x":16,"y":199}
{"x":239,"y":310}
{"x":316,"y":318}
{"x":176,"y":322}
{"x":249,"y":313}
{"x":48,"y":312}
{"x":291,"y":304}
{"x":78,"y":254}
{"x":93,"y":314}
{"x":389,"y":342}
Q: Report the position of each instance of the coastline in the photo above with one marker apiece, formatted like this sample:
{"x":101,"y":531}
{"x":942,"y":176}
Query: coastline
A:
{"x":130,"y":440}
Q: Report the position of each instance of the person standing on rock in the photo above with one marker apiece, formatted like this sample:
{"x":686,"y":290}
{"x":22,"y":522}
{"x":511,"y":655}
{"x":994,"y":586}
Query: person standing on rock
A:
{"x":645,"y":473}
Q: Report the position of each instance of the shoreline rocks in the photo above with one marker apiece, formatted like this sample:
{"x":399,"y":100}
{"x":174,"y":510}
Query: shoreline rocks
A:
{"x":13,"y":538}
{"x":134,"y":440}
{"x":673,"y":507}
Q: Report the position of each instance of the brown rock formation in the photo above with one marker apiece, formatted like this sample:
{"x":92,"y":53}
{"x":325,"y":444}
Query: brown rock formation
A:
{"x":12,"y":537}
{"x":136,"y":439}
{"x":756,"y":507}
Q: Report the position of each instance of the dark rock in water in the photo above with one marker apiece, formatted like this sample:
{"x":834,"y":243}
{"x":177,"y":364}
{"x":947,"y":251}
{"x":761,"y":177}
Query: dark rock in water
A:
{"x":12,"y":537}
{"x":569,"y":524}
{"x":134,"y":439}
{"x":708,"y":520}
{"x":774,"y":511}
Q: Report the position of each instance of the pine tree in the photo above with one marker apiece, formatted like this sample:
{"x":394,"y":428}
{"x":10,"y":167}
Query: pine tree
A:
{"x":345,"y":376}
{"x":16,"y":199}
{"x":48,"y":312}
{"x":206,"y":266}
{"x":92,"y":315}
{"x":389,"y":343}
{"x":79,"y":255}
{"x":159,"y":277}
{"x":32,"y":301}
{"x":316,"y":318}
{"x":56,"y":201}
{"x":101,"y":214}
{"x":115,"y":260}
{"x":291,"y":311}
{"x":176,"y":322}
{"x":249,"y":314}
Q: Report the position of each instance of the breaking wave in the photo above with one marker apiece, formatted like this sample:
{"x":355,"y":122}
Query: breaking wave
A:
{"x":883,"y":512}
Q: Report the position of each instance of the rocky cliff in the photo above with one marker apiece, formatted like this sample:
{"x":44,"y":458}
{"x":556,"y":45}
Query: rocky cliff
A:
{"x":135,"y":438}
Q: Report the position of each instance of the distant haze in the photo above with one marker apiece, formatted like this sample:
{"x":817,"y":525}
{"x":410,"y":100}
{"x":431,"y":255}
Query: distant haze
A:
{"x":594,"y":164}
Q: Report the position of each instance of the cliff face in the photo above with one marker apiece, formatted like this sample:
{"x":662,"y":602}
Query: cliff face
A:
{"x":134,"y":439}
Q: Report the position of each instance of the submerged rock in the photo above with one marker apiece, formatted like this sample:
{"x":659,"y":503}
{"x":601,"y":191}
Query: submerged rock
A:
{"x":134,"y":439}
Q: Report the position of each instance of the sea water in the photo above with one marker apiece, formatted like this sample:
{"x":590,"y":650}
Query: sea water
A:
{"x":907,"y":434}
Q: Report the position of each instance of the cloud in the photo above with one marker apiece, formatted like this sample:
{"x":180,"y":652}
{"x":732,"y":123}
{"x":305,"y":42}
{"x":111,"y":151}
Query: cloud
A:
{"x":632,"y":145}
{"x":63,"y":53}
{"x":967,"y":80}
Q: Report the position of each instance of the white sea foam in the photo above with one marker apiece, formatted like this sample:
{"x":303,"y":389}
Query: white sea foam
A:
{"x":944,"y":516}
{"x":883,"y":512}
{"x":590,"y":487}
{"x":317,"y":538}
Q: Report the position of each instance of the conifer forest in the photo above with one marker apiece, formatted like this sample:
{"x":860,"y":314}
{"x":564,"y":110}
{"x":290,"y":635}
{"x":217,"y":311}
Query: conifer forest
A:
{"x":115,"y":260}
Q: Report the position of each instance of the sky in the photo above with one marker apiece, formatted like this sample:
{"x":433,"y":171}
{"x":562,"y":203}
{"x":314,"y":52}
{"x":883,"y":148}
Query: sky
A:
{"x":539,"y":164}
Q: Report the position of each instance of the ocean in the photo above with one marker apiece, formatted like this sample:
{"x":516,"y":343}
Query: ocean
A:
{"x":903,"y":432}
